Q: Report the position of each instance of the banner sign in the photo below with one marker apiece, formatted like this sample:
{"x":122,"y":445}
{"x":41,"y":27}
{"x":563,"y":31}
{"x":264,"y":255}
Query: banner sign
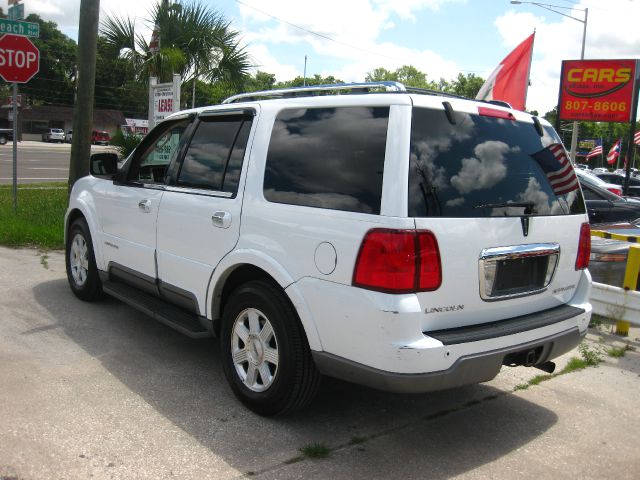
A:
{"x":585,"y":145}
{"x":597,"y":90}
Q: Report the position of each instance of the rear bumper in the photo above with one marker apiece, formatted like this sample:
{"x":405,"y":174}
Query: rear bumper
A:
{"x":468,"y":369}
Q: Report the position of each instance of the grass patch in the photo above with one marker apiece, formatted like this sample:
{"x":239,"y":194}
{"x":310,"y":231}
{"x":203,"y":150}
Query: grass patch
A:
{"x":356,"y":440}
{"x":39,"y":220}
{"x":315,"y":450}
{"x":44,"y":261}
{"x":521,"y":386}
{"x":618,"y":352}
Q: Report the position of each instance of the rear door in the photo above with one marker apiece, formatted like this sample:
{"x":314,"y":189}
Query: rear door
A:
{"x":502,"y":199}
{"x":199,"y":218}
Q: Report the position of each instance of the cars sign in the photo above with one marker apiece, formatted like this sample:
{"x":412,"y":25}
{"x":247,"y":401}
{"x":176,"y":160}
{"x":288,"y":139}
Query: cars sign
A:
{"x":597,"y":90}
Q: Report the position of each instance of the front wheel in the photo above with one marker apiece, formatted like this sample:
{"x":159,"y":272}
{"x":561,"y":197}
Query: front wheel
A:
{"x":266,"y":357}
{"x":3,"y":139}
{"x":82,"y":272}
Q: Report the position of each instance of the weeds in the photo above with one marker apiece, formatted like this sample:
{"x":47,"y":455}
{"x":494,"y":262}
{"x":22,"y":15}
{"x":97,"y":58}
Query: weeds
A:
{"x":44,"y":261}
{"x":315,"y":450}
{"x":591,"y":357}
{"x":618,"y":352}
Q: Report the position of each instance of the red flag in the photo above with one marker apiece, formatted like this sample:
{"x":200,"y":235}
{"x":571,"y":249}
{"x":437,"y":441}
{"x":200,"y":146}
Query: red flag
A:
{"x":612,"y":156}
{"x":636,"y":138}
{"x":509,"y":81}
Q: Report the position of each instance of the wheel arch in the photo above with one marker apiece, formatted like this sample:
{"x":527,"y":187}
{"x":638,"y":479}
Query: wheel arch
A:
{"x":80,"y":208}
{"x":247,"y":267}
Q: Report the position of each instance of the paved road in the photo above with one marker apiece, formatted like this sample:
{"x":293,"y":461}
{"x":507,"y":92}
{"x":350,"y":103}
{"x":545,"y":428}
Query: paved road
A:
{"x":37,"y":162}
{"x":101,"y":391}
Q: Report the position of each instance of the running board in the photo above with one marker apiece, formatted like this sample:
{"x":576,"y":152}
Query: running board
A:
{"x":184,"y":322}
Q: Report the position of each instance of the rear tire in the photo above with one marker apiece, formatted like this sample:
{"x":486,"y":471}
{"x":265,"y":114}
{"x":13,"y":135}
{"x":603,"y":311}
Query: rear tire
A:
{"x":82,"y":272}
{"x":265,"y":354}
{"x":3,"y":139}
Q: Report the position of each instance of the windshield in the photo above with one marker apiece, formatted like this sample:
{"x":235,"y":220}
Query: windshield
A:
{"x":485,"y":166}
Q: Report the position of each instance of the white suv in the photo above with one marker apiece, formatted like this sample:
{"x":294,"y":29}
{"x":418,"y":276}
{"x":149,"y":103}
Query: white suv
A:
{"x":399,"y":239}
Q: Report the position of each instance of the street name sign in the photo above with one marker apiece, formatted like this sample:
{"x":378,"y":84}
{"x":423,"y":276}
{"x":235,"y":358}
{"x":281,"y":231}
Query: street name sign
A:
{"x":16,"y":27}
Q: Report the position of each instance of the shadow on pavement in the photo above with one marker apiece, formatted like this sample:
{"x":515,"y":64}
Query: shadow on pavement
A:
{"x":182,"y":379}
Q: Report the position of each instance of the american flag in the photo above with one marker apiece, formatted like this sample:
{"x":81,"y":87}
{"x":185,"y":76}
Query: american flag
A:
{"x":556,"y":165}
{"x":612,"y":156}
{"x":595,"y":151}
{"x":636,"y":138}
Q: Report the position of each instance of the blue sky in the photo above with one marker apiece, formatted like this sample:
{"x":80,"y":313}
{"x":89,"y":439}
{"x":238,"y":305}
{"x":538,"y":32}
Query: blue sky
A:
{"x":440,"y":37}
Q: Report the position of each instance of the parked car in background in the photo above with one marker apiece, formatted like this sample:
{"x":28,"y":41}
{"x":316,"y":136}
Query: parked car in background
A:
{"x":604,"y":206}
{"x":6,"y":134}
{"x":53,"y":135}
{"x":582,"y":166}
{"x":100,"y":137}
{"x":595,"y":180}
{"x":69,"y":136}
{"x":634,"y":183}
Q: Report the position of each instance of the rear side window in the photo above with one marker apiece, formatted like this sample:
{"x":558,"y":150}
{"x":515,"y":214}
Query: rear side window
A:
{"x":213,"y":160}
{"x":328,"y":158}
{"x":486,"y":166}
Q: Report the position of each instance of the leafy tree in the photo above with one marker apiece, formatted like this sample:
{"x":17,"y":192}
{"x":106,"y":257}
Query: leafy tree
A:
{"x":116,"y":87}
{"x":195,"y":41}
{"x":301,"y":81}
{"x":465,"y":85}
{"x":55,"y":82}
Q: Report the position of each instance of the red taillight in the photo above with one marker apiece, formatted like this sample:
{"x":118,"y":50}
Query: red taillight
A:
{"x":584,"y":247}
{"x":398,"y":261}
{"x":617,"y":191}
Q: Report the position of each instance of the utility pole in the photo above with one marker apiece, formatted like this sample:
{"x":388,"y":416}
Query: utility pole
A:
{"x":85,"y":89}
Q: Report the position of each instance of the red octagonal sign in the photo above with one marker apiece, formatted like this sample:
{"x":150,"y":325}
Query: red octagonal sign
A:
{"x":19,"y":58}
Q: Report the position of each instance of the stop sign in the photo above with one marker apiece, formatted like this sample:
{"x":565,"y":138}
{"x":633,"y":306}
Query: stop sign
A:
{"x":19,"y":58}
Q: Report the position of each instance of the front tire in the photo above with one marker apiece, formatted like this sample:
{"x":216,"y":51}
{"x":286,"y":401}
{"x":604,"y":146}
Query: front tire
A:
{"x":82,"y":272}
{"x":265,"y":354}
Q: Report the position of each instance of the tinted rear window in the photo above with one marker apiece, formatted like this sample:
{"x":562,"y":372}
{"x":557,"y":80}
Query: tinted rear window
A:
{"x":481,"y":164}
{"x":328,"y":158}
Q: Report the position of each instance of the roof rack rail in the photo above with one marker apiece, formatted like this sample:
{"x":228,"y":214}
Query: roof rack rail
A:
{"x":353,"y":88}
{"x":318,"y":89}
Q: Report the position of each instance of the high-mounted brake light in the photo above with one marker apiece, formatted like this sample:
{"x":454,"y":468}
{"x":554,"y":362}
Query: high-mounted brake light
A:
{"x":584,"y":247}
{"x":398,"y":261}
{"x":494,"y":112}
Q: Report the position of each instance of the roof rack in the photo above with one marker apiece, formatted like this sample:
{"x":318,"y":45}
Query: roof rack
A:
{"x":352,"y":88}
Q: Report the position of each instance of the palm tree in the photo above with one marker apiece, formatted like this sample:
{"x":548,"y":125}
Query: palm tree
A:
{"x":195,"y":41}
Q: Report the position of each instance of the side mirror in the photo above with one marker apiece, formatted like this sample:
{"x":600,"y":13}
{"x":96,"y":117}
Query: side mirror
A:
{"x":103,"y":164}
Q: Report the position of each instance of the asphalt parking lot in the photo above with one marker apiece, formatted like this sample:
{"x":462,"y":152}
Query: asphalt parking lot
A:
{"x":101,"y":391}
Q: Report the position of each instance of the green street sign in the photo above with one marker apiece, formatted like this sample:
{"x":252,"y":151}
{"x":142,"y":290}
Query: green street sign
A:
{"x":16,"y":12}
{"x":14,"y":27}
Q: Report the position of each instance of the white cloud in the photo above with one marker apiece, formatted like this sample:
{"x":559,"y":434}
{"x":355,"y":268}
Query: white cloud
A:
{"x":66,"y":13}
{"x":611,"y":33}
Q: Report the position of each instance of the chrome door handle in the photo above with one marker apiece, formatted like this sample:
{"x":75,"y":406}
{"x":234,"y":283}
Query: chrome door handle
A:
{"x":145,"y":206}
{"x":221,"y":219}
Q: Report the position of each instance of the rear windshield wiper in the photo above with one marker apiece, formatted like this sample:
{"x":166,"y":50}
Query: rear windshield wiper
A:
{"x":528,"y":206}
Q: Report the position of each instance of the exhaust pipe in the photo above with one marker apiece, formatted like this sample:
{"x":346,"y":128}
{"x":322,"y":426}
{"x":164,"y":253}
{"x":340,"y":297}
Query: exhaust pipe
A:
{"x":548,"y":367}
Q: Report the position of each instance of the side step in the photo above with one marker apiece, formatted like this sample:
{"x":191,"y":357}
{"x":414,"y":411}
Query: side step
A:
{"x":157,"y":308}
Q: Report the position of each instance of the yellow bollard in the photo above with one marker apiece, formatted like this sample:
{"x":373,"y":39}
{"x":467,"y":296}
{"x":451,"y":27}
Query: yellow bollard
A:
{"x":630,"y":283}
